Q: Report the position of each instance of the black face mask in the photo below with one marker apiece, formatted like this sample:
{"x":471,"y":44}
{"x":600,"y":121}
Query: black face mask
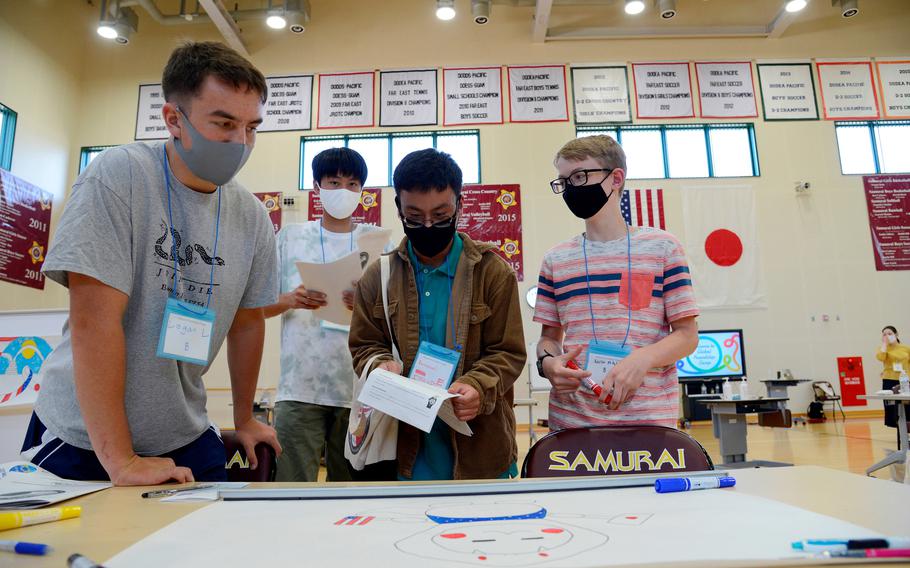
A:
{"x":585,"y":201}
{"x":430,"y":241}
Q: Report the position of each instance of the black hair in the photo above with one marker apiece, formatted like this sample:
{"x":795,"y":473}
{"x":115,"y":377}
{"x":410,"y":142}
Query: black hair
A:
{"x":191,"y":63}
{"x":427,"y":170}
{"x":340,"y":162}
{"x":893,"y":329}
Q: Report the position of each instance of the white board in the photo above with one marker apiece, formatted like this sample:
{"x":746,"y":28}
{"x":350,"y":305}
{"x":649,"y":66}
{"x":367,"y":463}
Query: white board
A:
{"x":149,"y":120}
{"x":577,"y":528}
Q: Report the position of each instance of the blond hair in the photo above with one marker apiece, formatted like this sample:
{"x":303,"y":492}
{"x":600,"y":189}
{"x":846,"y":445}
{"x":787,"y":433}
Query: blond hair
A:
{"x":602,"y":148}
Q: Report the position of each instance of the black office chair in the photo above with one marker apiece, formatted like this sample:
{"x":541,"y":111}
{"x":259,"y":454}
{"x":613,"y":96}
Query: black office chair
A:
{"x":824,"y":392}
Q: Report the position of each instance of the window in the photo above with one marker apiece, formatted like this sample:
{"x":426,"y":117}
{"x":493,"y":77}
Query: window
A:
{"x":88,"y":154}
{"x":685,"y":150}
{"x":7,"y":134}
{"x":382,"y":152}
{"x":873,"y":147}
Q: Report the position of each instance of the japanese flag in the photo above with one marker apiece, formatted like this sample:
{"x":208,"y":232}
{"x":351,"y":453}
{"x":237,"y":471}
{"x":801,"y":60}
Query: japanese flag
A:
{"x":722,"y":246}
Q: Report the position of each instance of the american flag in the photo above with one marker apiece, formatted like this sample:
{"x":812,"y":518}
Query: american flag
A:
{"x":643,"y":207}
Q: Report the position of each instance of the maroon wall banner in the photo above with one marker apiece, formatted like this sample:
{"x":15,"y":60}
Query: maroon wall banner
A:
{"x":852,"y":380}
{"x":368,"y":212}
{"x":888,"y":201}
{"x":272,"y":204}
{"x":492,"y":213}
{"x":25,"y":219}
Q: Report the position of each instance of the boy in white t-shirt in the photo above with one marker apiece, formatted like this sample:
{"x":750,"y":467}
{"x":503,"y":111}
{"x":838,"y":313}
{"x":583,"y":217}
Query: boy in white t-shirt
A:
{"x":317,"y":376}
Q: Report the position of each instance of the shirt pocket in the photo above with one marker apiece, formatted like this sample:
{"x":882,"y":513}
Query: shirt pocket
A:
{"x":480,"y":312}
{"x":641,"y":293}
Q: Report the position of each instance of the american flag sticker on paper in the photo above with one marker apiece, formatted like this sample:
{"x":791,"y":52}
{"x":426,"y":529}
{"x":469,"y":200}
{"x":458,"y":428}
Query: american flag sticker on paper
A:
{"x":643,"y":207}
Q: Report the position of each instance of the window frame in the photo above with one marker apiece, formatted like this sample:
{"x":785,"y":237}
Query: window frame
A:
{"x":389,"y":137}
{"x":7,"y":136}
{"x":664,"y":128}
{"x":84,"y":153}
{"x":871,"y":126}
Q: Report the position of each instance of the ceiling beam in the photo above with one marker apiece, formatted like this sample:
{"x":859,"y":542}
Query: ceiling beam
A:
{"x":593,"y":33}
{"x":780,"y":23}
{"x":541,"y":20}
{"x":225,"y":24}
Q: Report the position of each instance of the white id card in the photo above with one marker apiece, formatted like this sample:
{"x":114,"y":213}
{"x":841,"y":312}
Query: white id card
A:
{"x":602,"y":357}
{"x":186,"y":332}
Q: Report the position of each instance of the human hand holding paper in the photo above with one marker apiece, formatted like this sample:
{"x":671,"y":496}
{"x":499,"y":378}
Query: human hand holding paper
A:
{"x":466,"y":406}
{"x":325,"y":277}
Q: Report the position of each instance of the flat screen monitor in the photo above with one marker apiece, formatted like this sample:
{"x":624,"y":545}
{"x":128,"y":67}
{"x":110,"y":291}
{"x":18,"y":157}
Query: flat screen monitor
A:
{"x":720,"y":353}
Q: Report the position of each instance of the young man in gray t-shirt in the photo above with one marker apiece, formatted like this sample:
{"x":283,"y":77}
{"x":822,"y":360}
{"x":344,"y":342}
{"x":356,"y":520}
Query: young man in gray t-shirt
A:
{"x":164,"y":257}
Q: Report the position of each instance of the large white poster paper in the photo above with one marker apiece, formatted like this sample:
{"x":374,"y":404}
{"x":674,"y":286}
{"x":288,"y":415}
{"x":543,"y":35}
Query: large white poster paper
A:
{"x":408,"y":98}
{"x":289,"y":104}
{"x":601,"y":94}
{"x":149,"y":121}
{"x":847,"y":90}
{"x":663,"y":90}
{"x":787,"y":91}
{"x":537,"y":93}
{"x":472,"y":96}
{"x":726,"y":89}
{"x":345,"y":100}
{"x":894,"y":81}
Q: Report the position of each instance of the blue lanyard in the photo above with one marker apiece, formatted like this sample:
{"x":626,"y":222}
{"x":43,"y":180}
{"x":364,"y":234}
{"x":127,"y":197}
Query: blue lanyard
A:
{"x":426,"y":332}
{"x":170,"y":218}
{"x":584,"y":249}
{"x":322,"y":240}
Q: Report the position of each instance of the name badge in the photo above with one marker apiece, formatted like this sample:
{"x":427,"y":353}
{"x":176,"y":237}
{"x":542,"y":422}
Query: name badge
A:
{"x":435,"y":365}
{"x":186,"y":332}
{"x":602,"y":357}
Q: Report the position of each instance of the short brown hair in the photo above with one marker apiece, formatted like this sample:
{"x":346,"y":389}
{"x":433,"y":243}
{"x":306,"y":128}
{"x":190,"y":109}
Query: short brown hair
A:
{"x":191,"y":63}
{"x":602,"y":148}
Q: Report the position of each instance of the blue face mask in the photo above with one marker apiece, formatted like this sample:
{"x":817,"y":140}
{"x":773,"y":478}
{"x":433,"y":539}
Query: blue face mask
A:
{"x":215,"y":162}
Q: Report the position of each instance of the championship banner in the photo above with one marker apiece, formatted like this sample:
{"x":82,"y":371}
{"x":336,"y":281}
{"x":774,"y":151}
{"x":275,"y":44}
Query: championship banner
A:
{"x":149,"y":121}
{"x":369,"y":212}
{"x":601,"y":94}
{"x":472,"y":96}
{"x":492,"y":213}
{"x":289,"y":105}
{"x":894,"y":82}
{"x":537,"y":93}
{"x":726,"y":89}
{"x":888,"y":202}
{"x":852,"y":380}
{"x":408,"y":98}
{"x":272,"y":204}
{"x":25,"y":220}
{"x":787,"y":91}
{"x":345,"y":100}
{"x":847,"y":90}
{"x":663,"y":90}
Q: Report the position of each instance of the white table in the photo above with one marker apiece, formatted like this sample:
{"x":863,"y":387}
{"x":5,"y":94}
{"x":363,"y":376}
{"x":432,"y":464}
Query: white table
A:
{"x":900,"y":456}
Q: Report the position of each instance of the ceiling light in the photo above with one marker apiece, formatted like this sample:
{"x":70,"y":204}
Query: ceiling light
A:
{"x":116,"y":23}
{"x":667,"y":8}
{"x":445,"y":9}
{"x":106,"y":30}
{"x":276,"y":20}
{"x":635,"y":7}
{"x":480,"y":11}
{"x":849,"y":8}
{"x":795,"y":5}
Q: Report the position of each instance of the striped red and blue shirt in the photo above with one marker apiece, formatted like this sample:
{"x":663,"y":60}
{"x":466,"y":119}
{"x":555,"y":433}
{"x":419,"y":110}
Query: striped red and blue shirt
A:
{"x":661,"y":293}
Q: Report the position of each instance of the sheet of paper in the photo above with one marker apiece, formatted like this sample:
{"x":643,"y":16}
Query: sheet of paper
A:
{"x":331,"y":279}
{"x":447,"y":415}
{"x":371,"y":245}
{"x":558,"y":529}
{"x":206,"y":494}
{"x":26,"y":486}
{"x":407,"y":400}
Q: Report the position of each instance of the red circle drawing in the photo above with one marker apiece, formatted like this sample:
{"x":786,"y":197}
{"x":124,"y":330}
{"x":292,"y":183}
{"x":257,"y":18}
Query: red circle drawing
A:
{"x":724,"y":247}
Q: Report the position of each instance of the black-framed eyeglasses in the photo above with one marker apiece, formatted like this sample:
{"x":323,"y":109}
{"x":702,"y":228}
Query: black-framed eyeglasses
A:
{"x":577,"y":179}
{"x":417,"y":223}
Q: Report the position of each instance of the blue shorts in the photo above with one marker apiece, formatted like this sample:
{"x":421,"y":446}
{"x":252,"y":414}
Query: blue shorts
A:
{"x":205,"y":455}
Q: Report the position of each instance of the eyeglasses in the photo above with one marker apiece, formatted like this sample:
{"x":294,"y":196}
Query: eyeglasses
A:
{"x":577,"y":179}
{"x":417,"y":223}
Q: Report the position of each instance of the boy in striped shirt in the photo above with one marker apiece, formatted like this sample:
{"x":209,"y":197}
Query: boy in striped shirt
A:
{"x":585,"y":299}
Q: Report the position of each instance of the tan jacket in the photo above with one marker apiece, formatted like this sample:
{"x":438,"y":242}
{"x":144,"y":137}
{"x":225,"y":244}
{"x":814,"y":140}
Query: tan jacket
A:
{"x":488,"y":326}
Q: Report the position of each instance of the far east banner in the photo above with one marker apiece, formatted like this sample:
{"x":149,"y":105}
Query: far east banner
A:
{"x":368,"y":212}
{"x":492,"y":213}
{"x":25,"y":219}
{"x":888,"y":202}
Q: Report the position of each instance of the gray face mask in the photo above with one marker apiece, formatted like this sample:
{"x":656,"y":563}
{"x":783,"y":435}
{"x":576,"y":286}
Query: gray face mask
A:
{"x":215,"y":162}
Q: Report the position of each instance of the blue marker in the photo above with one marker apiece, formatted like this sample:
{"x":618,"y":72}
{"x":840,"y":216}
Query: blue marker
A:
{"x":674,"y":484}
{"x":842,"y":544}
{"x":24,"y":547}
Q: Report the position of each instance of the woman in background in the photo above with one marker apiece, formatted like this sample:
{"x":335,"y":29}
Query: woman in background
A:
{"x":895,"y":356}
